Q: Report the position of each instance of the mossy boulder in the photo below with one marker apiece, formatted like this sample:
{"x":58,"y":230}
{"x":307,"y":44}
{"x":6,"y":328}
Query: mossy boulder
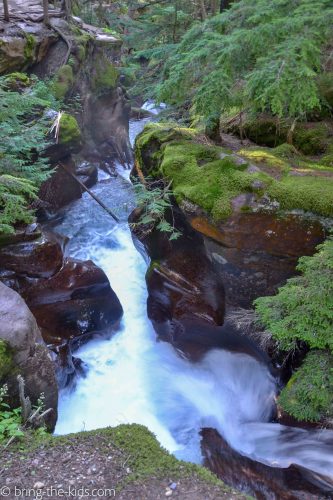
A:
{"x":69,"y":131}
{"x":212,"y":177}
{"x":312,"y":139}
{"x":63,"y":81}
{"x":308,"y":396}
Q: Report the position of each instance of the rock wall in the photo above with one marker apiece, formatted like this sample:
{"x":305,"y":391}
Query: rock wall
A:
{"x":29,"y":355}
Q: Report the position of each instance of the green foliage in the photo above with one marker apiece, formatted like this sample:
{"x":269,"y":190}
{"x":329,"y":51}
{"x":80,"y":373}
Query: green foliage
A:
{"x":302,"y":310}
{"x":309,"y":393}
{"x":62,"y":82}
{"x":6,"y":361}
{"x":257,"y":55}
{"x":154,"y":202}
{"x":23,"y":137}
{"x":10,"y":420}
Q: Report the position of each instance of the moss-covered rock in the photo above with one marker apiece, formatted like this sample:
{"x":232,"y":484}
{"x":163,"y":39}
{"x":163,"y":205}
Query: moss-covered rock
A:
{"x":30,"y":47}
{"x":311,"y":139}
{"x":309,"y":393}
{"x":69,"y":131}
{"x":105,"y":77}
{"x":211,"y":177}
{"x":63,"y":81}
{"x":18,"y":81}
{"x":6,"y":359}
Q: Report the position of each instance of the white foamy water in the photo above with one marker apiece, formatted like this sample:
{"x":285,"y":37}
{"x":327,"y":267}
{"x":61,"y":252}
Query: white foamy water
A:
{"x":133,"y":378}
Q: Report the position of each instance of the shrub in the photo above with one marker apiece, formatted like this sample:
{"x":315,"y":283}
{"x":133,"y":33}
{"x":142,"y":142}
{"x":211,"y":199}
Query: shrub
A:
{"x":302,"y":310}
{"x":23,"y":137}
{"x":309,"y":393}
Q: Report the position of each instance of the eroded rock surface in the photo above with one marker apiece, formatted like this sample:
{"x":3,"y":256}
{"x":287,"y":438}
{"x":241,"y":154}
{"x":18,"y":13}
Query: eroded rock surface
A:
{"x":257,"y":479}
{"x":30,"y":356}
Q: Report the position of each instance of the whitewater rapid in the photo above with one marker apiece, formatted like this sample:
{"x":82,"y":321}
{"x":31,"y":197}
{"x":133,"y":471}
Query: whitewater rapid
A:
{"x":133,"y":378}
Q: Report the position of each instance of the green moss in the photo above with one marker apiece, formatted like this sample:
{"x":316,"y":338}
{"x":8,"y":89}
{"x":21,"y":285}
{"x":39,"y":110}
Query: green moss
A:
{"x":327,"y":159}
{"x":6,"y":359}
{"x":275,"y":158}
{"x":81,"y":52}
{"x":30,"y":46}
{"x":17,"y":81}
{"x":69,"y":131}
{"x":311,"y":140}
{"x":309,"y":193}
{"x":63,"y":81}
{"x":211,"y":178}
{"x":309,"y":393}
{"x":106,"y":76}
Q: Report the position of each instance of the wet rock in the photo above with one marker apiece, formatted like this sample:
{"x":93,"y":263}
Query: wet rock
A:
{"x":259,"y":480}
{"x":259,"y":250}
{"x":181,"y":280}
{"x":75,"y":301}
{"x":30,"y":357}
{"x":87,"y":173}
{"x":61,"y":188}
{"x":40,"y":258}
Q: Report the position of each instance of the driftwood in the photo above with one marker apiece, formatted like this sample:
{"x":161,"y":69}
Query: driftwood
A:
{"x":90,"y":192}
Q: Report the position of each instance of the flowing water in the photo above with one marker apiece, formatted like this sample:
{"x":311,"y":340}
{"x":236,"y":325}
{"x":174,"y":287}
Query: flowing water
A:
{"x":133,"y":378}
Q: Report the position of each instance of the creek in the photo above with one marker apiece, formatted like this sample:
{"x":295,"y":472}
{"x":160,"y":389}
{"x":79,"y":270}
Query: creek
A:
{"x":133,"y":378}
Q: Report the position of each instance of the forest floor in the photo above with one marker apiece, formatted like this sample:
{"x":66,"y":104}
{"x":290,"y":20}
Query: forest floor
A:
{"x":91,"y":464}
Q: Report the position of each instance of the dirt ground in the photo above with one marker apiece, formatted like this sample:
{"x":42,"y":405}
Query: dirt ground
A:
{"x":92,"y":465}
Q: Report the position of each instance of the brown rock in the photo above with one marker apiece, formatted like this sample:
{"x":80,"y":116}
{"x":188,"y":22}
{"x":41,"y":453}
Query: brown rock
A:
{"x":182,"y":282}
{"x":257,"y":479}
{"x":60,"y":189}
{"x":255,"y":253}
{"x":76,"y":301}
{"x":40,"y":258}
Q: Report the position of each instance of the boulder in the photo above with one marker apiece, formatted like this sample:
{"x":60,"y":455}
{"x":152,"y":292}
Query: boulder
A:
{"x":60,"y":189}
{"x":78,"y":300}
{"x":35,"y":258}
{"x":30,"y":357}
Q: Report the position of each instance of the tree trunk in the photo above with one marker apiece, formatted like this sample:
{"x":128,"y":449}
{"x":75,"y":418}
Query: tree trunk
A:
{"x":213,"y":7}
{"x":224,"y":4}
{"x":46,"y":19}
{"x":6,"y":10}
{"x":66,"y":7}
{"x":203,"y":11}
